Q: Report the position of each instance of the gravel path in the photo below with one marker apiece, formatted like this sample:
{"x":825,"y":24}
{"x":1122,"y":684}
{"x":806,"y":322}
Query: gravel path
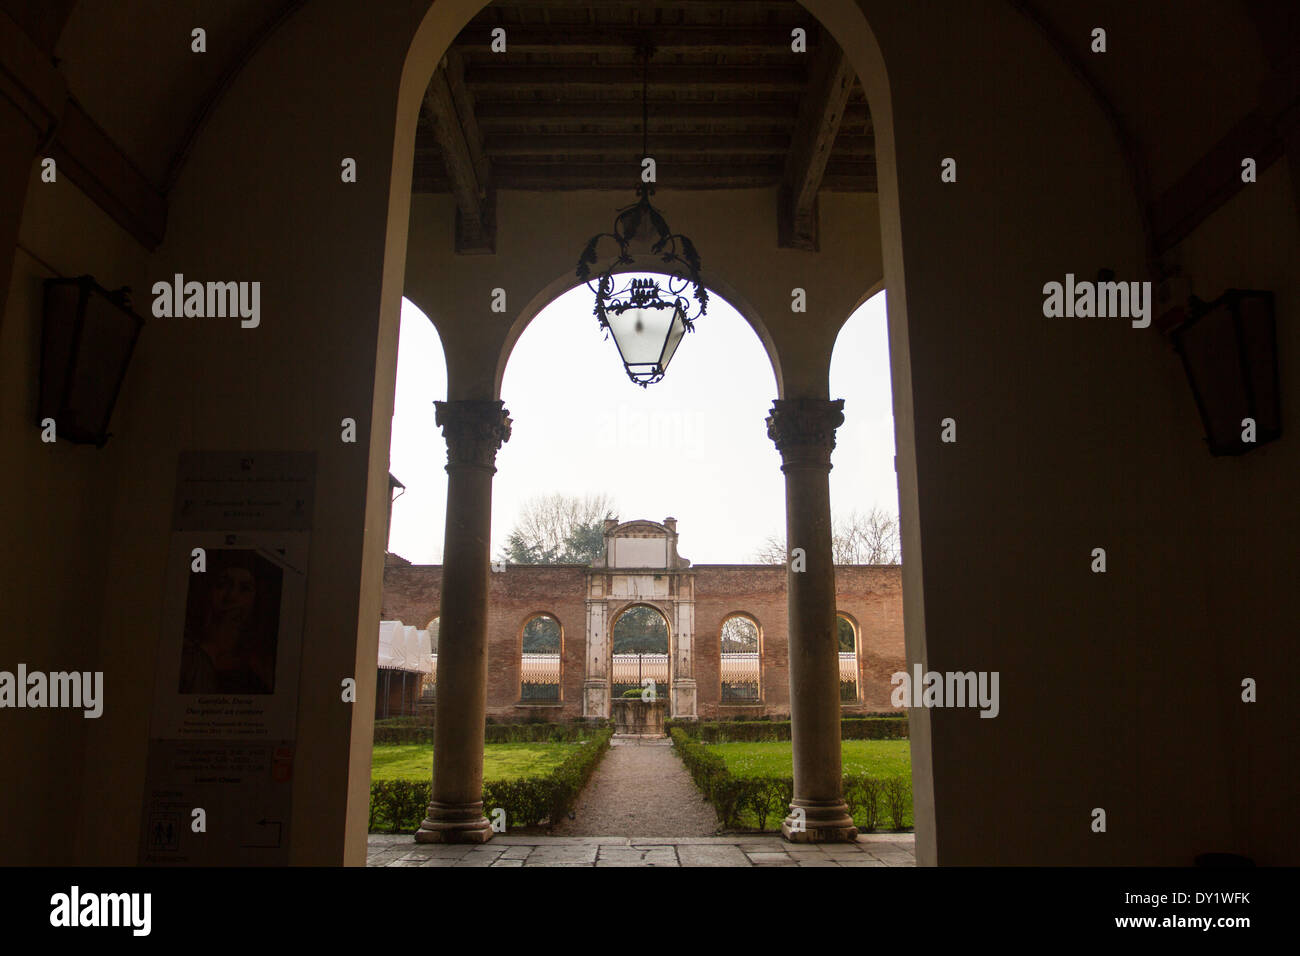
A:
{"x":641,"y":788}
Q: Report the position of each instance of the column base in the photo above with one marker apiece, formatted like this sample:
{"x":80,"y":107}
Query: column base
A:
{"x":454,"y":823}
{"x":819,"y":821}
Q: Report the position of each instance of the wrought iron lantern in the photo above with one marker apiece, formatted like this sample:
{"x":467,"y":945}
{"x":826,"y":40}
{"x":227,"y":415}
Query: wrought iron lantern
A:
{"x":1229,"y":352}
{"x":646,"y":319}
{"x":86,"y":344}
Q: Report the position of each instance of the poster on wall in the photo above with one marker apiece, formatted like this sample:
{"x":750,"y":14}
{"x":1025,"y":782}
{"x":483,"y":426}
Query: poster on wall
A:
{"x":223,"y":727}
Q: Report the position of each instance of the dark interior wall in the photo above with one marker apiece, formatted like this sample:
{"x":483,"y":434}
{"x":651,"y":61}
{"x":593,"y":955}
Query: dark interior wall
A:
{"x":1120,"y":690}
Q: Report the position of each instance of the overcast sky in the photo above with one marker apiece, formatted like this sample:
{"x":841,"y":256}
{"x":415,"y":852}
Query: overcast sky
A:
{"x":693,"y":446}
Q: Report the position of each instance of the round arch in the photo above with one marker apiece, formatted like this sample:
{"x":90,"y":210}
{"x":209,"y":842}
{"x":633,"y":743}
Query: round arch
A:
{"x":850,"y":677}
{"x":740,"y":669}
{"x":661,"y":671}
{"x":640,"y":264}
{"x":846,"y":22}
{"x":541,"y":670}
{"x":662,"y":611}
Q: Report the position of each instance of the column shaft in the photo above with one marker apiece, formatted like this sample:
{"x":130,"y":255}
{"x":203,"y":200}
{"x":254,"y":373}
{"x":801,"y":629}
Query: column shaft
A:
{"x":474,"y":431}
{"x":804,"y":432}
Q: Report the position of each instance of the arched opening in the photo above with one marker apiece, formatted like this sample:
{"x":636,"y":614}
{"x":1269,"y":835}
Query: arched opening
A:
{"x":635,"y":446}
{"x":846,"y":634}
{"x":741,"y":667}
{"x":541,"y":659}
{"x":725,"y":298}
{"x":864,"y":485}
{"x":640,"y":652}
{"x":419,"y":508}
{"x":800,"y":361}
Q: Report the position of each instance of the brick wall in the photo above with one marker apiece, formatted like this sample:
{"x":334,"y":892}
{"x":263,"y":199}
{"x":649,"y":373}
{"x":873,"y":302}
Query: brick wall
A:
{"x":872,"y":597}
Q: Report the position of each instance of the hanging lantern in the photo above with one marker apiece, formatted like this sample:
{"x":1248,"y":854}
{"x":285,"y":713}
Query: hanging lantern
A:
{"x":88,"y":337}
{"x":646,"y":320}
{"x":1229,"y":352}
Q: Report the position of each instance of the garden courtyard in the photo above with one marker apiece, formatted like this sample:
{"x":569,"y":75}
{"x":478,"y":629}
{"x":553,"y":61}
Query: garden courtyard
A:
{"x":576,"y":795}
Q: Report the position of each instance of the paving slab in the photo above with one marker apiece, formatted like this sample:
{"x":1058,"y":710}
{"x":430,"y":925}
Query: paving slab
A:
{"x":637,"y":856}
{"x":643,"y":850}
{"x":711,"y":855}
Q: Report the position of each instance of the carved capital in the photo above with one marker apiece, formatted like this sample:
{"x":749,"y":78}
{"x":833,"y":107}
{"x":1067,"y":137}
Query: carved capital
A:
{"x":804,"y":429}
{"x":474,"y":430}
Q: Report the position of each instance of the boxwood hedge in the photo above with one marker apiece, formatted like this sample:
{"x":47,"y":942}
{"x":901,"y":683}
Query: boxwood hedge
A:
{"x":872,"y":801}
{"x":399,"y":806}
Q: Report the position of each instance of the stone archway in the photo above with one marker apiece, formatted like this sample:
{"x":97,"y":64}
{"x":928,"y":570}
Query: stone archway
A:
{"x":640,"y":568}
{"x":802,"y":424}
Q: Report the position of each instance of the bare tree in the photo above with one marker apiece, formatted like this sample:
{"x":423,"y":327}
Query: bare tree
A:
{"x":559,"y":529}
{"x":771,"y":551}
{"x":870,"y":538}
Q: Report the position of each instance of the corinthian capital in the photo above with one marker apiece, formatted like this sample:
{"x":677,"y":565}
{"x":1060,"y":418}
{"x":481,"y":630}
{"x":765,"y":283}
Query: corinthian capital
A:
{"x":474,"y":430}
{"x":804,"y":429}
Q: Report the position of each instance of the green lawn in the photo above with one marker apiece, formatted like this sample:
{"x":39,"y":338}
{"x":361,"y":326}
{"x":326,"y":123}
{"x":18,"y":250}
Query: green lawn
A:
{"x":880,"y":758}
{"x":500,"y":761}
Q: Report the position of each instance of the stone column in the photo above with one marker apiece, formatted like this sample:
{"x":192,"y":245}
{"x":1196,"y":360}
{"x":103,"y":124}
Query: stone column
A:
{"x":474,"y":431}
{"x":804,"y":432}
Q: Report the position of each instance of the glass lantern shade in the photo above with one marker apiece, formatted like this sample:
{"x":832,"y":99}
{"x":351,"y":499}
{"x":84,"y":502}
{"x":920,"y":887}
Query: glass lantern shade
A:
{"x":1229,"y":352}
{"x":647,"y":336}
{"x":87,"y":341}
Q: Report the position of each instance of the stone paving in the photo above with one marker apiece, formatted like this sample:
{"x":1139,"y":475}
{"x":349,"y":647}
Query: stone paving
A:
{"x":874,"y":849}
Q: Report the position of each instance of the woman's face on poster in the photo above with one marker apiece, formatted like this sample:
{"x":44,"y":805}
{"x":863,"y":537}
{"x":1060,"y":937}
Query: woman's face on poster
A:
{"x":232,"y":597}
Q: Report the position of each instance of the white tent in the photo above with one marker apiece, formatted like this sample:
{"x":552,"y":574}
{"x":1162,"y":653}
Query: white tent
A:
{"x":391,"y":640}
{"x":425,"y":653}
{"x":403,"y":647}
{"x":411,"y":645}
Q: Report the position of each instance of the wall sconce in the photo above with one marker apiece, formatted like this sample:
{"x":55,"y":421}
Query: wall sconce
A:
{"x":1229,"y":352}
{"x":86,"y":344}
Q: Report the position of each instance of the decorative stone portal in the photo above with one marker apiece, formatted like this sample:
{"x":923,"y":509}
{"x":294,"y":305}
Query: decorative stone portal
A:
{"x":640,"y":566}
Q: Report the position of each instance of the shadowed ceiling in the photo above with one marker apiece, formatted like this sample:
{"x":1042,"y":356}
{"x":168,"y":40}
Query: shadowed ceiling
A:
{"x":561,"y":107}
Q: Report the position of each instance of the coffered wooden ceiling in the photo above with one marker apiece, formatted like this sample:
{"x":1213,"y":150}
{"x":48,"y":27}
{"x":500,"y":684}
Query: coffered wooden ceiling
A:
{"x":731,"y":105}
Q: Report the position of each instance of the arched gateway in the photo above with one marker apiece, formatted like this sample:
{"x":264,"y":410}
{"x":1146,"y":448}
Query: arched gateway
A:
{"x":640,"y":566}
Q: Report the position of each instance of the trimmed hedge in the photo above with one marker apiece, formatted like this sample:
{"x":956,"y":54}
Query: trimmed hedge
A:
{"x":399,"y":806}
{"x":871,"y":800}
{"x":753,"y":731}
{"x":422,"y":733}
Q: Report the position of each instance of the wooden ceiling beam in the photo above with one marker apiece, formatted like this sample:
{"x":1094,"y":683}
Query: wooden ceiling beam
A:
{"x":535,"y":39}
{"x":630,"y":144}
{"x":569,"y":79}
{"x":610,"y":177}
{"x":468,"y":170}
{"x":687,"y":6}
{"x":509,"y":117}
{"x":814,"y":137}
{"x":497,"y":113}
